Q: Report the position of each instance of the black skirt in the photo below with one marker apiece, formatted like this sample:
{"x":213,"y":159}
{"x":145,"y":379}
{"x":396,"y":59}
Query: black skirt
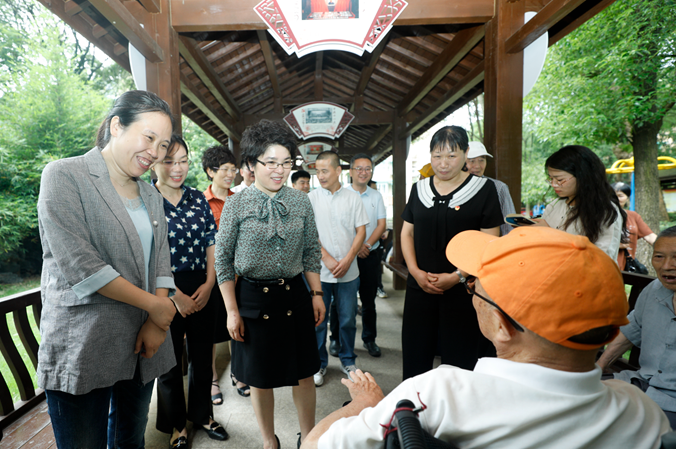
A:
{"x":280,"y":345}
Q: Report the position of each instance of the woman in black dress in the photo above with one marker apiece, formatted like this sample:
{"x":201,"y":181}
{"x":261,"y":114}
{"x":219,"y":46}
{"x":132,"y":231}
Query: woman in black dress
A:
{"x":438,"y":311}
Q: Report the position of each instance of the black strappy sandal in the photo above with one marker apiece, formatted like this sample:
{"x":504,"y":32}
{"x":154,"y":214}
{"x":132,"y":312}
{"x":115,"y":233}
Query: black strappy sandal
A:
{"x":245,"y":391}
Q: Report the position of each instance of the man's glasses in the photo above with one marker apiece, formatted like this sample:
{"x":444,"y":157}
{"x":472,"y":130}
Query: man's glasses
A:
{"x":469,"y":285}
{"x":272,"y":165}
{"x":362,"y":169}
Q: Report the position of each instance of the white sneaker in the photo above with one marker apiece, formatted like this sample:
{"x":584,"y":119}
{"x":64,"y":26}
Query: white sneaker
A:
{"x":382,"y":293}
{"x":319,"y":377}
{"x":348,"y":370}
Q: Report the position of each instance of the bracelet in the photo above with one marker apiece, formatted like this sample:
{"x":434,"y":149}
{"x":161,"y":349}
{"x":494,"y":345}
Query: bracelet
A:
{"x":316,"y":293}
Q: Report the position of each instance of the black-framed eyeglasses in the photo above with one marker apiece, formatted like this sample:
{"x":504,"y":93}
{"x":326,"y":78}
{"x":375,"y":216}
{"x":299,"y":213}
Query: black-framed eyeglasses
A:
{"x":272,"y":165}
{"x":469,"y":286}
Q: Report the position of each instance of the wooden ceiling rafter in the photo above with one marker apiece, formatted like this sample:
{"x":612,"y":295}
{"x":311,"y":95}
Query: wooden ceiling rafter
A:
{"x":118,"y":14}
{"x":548,"y":16}
{"x":191,"y":53}
{"x":223,"y":121}
{"x":319,"y":78}
{"x":269,"y":58}
{"x":463,"y":42}
{"x":152,"y":6}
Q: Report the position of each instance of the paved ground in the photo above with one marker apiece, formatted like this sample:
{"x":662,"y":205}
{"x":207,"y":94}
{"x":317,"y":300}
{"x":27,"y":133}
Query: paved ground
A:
{"x":237,"y":415}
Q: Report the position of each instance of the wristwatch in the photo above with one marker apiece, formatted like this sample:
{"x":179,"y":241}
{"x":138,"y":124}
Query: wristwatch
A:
{"x":463,"y":279}
{"x":316,"y":293}
{"x":368,"y":245}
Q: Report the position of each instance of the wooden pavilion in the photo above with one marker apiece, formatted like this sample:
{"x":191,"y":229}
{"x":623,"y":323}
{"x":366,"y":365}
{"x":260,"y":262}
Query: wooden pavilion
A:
{"x":214,"y":61}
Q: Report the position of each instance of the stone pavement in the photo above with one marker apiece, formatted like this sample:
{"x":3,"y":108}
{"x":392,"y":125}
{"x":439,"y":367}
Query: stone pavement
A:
{"x":237,"y":415}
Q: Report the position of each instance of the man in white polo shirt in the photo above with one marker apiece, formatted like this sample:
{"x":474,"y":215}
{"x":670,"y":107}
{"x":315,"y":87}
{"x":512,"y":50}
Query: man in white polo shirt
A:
{"x":341,"y":220}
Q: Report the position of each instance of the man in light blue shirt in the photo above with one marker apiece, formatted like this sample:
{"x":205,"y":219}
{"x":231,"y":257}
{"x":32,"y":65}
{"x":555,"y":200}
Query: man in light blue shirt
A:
{"x":369,"y":256}
{"x":341,"y":220}
{"x":652,"y":327}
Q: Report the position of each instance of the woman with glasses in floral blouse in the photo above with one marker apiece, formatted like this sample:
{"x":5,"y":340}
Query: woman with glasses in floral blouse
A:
{"x":268,"y":237}
{"x":192,"y":231}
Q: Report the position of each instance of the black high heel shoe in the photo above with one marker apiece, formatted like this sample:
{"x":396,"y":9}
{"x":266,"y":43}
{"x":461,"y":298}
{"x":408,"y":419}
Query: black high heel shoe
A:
{"x":279,"y":445}
{"x":244,"y":391}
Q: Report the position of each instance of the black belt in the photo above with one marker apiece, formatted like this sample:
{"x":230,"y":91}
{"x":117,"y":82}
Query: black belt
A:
{"x":265,"y":282}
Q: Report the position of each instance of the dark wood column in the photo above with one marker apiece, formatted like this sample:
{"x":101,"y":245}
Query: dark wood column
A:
{"x":164,"y":78}
{"x":400,"y":147}
{"x":503,"y":87}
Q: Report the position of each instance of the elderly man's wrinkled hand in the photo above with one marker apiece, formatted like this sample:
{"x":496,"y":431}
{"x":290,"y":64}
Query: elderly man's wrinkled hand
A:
{"x":363,"y":388}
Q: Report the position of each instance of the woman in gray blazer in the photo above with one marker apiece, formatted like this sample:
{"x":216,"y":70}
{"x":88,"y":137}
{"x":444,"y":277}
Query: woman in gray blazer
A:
{"x":105,"y":280}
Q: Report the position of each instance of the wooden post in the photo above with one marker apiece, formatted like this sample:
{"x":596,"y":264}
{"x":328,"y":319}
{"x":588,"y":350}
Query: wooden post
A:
{"x":400,"y":147}
{"x":503,"y":100}
{"x":164,"y":78}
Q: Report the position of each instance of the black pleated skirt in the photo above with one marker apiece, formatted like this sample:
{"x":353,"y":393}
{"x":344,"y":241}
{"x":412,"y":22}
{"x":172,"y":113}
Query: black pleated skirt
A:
{"x":280,"y":345}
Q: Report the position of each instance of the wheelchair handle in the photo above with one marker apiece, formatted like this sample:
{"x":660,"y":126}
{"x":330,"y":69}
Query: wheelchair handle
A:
{"x":408,"y":426}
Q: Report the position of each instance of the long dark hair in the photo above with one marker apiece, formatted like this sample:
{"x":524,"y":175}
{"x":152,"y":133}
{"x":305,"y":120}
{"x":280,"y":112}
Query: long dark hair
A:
{"x":128,"y":107}
{"x":594,"y":197}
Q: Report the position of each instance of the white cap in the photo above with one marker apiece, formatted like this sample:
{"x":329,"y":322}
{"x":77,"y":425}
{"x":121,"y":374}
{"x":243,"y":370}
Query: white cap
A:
{"x":477,"y":149}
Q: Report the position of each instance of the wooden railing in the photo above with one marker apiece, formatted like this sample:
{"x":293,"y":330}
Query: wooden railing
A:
{"x":18,"y":306}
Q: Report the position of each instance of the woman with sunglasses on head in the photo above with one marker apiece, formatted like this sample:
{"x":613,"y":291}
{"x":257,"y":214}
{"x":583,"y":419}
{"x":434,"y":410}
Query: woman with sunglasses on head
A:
{"x":105,"y":280}
{"x":192,"y":232}
{"x":268,"y":237}
{"x":587,"y":204}
{"x":220,"y":166}
{"x":438,"y":311}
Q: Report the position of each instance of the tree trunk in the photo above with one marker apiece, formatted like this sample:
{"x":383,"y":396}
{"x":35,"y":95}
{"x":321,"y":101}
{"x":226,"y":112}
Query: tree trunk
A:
{"x":647,"y":181}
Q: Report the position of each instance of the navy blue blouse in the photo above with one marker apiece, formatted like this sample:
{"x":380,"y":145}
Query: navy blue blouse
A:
{"x":192,"y":229}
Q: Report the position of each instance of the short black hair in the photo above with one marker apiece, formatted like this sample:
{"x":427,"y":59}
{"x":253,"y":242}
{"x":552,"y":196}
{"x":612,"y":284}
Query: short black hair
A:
{"x":331,"y":156}
{"x":622,"y":187}
{"x":360,"y":156}
{"x":669,"y":232}
{"x":256,"y":139}
{"x":372,"y":183}
{"x":300,"y":174}
{"x":453,"y":137}
{"x":216,"y":156}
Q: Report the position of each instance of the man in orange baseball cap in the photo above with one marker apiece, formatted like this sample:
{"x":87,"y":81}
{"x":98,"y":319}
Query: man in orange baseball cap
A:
{"x":547,"y":300}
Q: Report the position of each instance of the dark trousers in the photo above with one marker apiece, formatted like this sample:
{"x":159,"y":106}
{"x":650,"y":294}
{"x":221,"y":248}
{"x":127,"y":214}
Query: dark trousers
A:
{"x":113,"y":417}
{"x":445,"y":322}
{"x":369,"y":271}
{"x":199,"y":331}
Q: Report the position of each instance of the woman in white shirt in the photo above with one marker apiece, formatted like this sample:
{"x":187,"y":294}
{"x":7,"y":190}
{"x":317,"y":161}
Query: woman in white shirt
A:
{"x":587,"y":204}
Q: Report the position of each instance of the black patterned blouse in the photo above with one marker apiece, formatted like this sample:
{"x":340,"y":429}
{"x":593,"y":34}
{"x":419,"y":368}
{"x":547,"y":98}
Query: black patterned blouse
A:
{"x":267,"y":238}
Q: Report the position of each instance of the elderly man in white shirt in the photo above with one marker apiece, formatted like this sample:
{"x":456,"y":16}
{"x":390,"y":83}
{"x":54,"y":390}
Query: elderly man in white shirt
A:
{"x":547,"y":300}
{"x":341,"y":220}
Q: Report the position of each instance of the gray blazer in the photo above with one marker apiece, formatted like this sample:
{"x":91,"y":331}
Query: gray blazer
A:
{"x":88,"y":239}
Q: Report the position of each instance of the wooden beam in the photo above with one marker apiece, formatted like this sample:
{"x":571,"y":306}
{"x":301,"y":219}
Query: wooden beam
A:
{"x":269,"y":57}
{"x":373,"y":118}
{"x":400,"y":144}
{"x":458,"y":91}
{"x":222,"y":121}
{"x":152,"y":6}
{"x":294,"y":101}
{"x":163,"y":77}
{"x":548,"y":16}
{"x":462,"y":43}
{"x":71,"y":8}
{"x":366,"y":74}
{"x":377,"y":137}
{"x":198,"y":62}
{"x":503,"y":98}
{"x":117,"y":14}
{"x":319,"y":79}
{"x":83,"y":27}
{"x":220,"y":15}
{"x":583,"y":13}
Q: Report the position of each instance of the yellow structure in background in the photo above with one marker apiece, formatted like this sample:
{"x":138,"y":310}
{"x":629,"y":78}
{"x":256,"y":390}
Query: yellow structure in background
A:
{"x":627,"y":165}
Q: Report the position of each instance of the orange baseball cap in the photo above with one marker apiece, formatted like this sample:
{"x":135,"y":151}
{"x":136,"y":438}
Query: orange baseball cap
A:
{"x":555,"y":284}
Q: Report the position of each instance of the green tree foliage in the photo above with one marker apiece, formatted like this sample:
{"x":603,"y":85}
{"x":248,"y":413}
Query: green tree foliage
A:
{"x":49,"y":109}
{"x":608,"y":85}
